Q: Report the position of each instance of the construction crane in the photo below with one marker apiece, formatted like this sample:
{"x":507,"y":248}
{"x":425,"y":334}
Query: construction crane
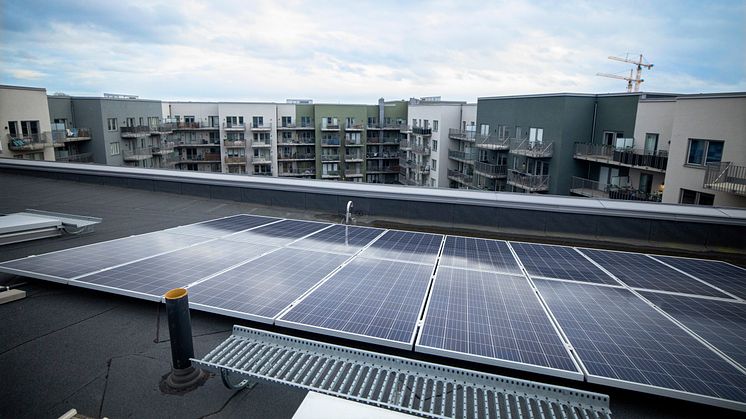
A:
{"x":633,"y":84}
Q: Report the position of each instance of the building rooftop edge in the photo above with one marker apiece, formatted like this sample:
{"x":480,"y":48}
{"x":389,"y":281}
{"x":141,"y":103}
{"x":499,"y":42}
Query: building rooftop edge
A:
{"x":8,"y":86}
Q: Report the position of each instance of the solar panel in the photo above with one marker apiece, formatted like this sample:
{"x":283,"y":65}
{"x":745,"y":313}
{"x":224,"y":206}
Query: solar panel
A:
{"x":151,"y":278}
{"x":721,"y":323}
{"x":624,"y":342}
{"x":278,"y":234}
{"x":70,"y":263}
{"x":639,"y":271}
{"x":261,"y":289}
{"x":546,"y":261}
{"x":222,"y":226}
{"x":723,"y":275}
{"x":405,"y":246}
{"x":372,"y":300}
{"x":492,"y":318}
{"x":339,"y":238}
{"x":479,"y":254}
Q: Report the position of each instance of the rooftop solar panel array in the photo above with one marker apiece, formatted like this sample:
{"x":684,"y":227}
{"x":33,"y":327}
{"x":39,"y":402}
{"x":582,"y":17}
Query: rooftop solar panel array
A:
{"x":658,"y":324}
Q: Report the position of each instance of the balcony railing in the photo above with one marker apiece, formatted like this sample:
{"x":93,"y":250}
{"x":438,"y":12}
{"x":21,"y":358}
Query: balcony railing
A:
{"x":239,"y":126}
{"x":134,"y":132}
{"x":296,"y":141}
{"x":261,"y":159}
{"x":29,"y":142}
{"x":198,"y":158}
{"x":726,"y":177}
{"x":491,"y":170}
{"x":422,"y":169}
{"x":235,"y":159}
{"x":385,"y":140}
{"x":527,"y":181}
{"x":261,"y":127}
{"x":464,"y":156}
{"x":194,"y":125}
{"x":384,"y":155}
{"x":71,"y":135}
{"x":310,"y":171}
{"x":420,"y":149}
{"x":405,"y":145}
{"x":624,"y":157}
{"x":137,"y":154}
{"x":594,"y":189}
{"x":330,"y":157}
{"x":164,"y":148}
{"x":457,"y":134}
{"x":329,"y":126}
{"x":422,"y":131}
{"x":330,"y":173}
{"x":234,"y":143}
{"x":354,"y":127}
{"x":76,"y":158}
{"x":162,"y":128}
{"x":296,"y":156}
{"x":534,"y":149}
{"x":261,"y":142}
{"x":352,"y":157}
{"x":330,"y":142}
{"x":492,"y":142}
{"x":383,"y":169}
{"x":460,"y":177}
{"x":353,"y":142}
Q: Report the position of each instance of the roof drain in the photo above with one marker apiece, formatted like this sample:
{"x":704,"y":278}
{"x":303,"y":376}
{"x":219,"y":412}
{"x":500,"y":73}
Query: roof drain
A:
{"x":398,"y":383}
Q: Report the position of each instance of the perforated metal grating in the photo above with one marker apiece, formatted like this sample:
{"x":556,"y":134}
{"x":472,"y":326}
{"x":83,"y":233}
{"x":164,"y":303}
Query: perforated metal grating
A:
{"x":403,"y":384}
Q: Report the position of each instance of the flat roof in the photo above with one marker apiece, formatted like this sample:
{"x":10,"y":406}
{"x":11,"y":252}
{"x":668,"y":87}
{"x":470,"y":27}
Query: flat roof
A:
{"x":95,"y":351}
{"x":7,"y":86}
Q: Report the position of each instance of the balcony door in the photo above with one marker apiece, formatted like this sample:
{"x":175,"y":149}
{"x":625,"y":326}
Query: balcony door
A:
{"x":651,"y":143}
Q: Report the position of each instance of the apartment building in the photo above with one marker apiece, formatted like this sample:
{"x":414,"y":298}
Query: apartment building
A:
{"x":27,"y":133}
{"x":425,"y":150}
{"x":115,"y":130}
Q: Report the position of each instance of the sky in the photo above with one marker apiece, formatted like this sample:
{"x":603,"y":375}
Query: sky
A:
{"x":356,"y":52}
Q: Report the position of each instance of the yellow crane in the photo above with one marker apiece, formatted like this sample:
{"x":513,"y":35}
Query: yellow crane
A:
{"x":633,"y":84}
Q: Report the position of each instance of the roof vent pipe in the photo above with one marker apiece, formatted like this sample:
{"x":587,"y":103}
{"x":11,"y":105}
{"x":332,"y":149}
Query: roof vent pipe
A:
{"x":184,"y":376}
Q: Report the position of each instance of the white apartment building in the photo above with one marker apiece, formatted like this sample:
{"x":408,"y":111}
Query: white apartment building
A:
{"x":27,"y":131}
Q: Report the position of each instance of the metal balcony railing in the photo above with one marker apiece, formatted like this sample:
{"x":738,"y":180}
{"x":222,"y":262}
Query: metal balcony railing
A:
{"x":405,"y":145}
{"x":296,"y":141}
{"x":164,"y":128}
{"x":206,"y":157}
{"x":353,"y":142}
{"x":132,"y":132}
{"x":422,"y":169}
{"x":384,"y":155}
{"x":491,"y":170}
{"x":329,"y":125}
{"x":137,"y":154}
{"x":261,"y":142}
{"x":330,"y":157}
{"x":331,"y":173}
{"x":76,"y":158}
{"x":296,"y":156}
{"x":460,"y":177}
{"x":29,"y":142}
{"x":383,"y":169}
{"x":422,"y":131}
{"x":527,"y":181}
{"x":534,"y":149}
{"x":420,"y":149}
{"x":234,"y":143}
{"x":492,"y":142}
{"x":70,"y":135}
{"x":354,"y":156}
{"x":457,"y":134}
{"x":624,"y":157}
{"x":165,"y":147}
{"x":261,"y":159}
{"x":330,"y":142}
{"x":261,"y":126}
{"x":726,"y":177}
{"x":354,"y":127}
{"x":235,"y":159}
{"x":195,"y":125}
{"x":465,"y":156}
{"x":310,"y":171}
{"x":234,"y":125}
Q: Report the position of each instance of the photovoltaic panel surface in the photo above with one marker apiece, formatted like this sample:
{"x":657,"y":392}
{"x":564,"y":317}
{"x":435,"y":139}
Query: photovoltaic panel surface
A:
{"x":261,"y":289}
{"x":541,"y":260}
{"x":222,"y":226}
{"x":340,"y":239}
{"x":369,"y":299}
{"x":405,"y":246}
{"x":640,"y":271}
{"x":625,"y":342}
{"x":154,"y":276}
{"x":479,"y":254}
{"x":71,"y":263}
{"x":494,"y":318}
{"x":721,"y":323}
{"x":278,"y":234}
{"x":725,"y":276}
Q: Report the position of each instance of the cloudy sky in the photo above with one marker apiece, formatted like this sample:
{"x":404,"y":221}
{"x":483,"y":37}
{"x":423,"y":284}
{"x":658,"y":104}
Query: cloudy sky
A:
{"x":351,"y":51}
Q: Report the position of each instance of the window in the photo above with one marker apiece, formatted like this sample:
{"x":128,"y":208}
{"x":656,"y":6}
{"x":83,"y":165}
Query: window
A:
{"x":414,"y":122}
{"x":114,"y":147}
{"x":651,"y":143}
{"x":153,"y":121}
{"x":305,"y":121}
{"x":257,"y":121}
{"x":13,"y":128}
{"x":111,"y":124}
{"x":696,"y":198}
{"x":426,"y":124}
{"x":142,"y":121}
{"x":189,"y":119}
{"x":610,"y":137}
{"x":702,"y":152}
{"x":371,"y":121}
{"x":435,"y":125}
{"x":435,"y":145}
{"x":484,"y":129}
{"x":129,"y":122}
{"x":213,"y":121}
{"x":287,"y":121}
{"x":536,"y":135}
{"x":434,"y":164}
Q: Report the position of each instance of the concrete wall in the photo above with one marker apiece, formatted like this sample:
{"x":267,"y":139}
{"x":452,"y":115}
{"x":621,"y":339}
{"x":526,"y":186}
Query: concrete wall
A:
{"x":25,"y":104}
{"x":448,"y":116}
{"x":200,"y":110}
{"x":709,"y":117}
{"x":121,"y":109}
{"x":654,"y":117}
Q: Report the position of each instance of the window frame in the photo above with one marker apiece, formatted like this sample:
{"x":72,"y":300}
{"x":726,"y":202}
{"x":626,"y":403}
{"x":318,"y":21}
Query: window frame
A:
{"x":706,"y":151}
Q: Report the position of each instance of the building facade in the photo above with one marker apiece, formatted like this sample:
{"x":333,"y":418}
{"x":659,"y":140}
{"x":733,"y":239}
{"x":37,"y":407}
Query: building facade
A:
{"x":27,"y":132}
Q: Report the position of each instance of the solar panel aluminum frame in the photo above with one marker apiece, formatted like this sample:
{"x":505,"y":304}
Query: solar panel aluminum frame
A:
{"x":357,"y":336}
{"x":656,"y":390}
{"x":654,"y":256}
{"x":579,"y":375}
{"x":485,"y":270}
{"x":60,"y":280}
{"x":276,"y":220}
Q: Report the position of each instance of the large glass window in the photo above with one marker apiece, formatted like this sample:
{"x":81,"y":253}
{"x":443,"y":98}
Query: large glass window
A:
{"x":696,"y":198}
{"x":702,"y":152}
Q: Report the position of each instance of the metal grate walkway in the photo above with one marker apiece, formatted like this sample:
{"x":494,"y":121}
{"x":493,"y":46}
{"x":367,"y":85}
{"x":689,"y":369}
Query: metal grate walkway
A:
{"x":411,"y":386}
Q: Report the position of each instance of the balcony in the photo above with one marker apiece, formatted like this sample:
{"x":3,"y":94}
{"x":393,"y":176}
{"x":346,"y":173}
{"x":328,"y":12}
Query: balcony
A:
{"x":490,"y":170}
{"x":234,"y":143}
{"x":162,"y":129}
{"x":235,"y":159}
{"x":527,"y":181}
{"x":422,"y":131}
{"x":382,"y":169}
{"x":407,"y":181}
{"x":261,"y":126}
{"x":405,"y":145}
{"x":294,"y":141}
{"x":533,"y":149}
{"x":353,"y":142}
{"x":167,"y":147}
{"x":633,"y":158}
{"x":134,"y":132}
{"x":330,"y":142}
{"x":201,"y":158}
{"x":354,"y":127}
{"x":330,"y":157}
{"x":421,"y":149}
{"x":381,"y":156}
{"x":329,"y":126}
{"x":75,"y":158}
{"x":354,"y":158}
{"x":188,"y":126}
{"x":71,"y":135}
{"x":137,"y":154}
{"x":459,"y":135}
{"x":298,"y":172}
{"x":460,"y":177}
{"x":492,"y":142}
{"x":261,"y":143}
{"x":405,"y":164}
{"x":296,"y":156}
{"x":463,"y":156}
{"x":594,"y":189}
{"x":198,"y":143}
{"x":726,"y":177}
{"x":31,"y":142}
{"x":422,"y":169}
{"x":394,"y":125}
{"x":261,"y":159}
{"x":330,"y":174}
{"x":231,"y":126}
